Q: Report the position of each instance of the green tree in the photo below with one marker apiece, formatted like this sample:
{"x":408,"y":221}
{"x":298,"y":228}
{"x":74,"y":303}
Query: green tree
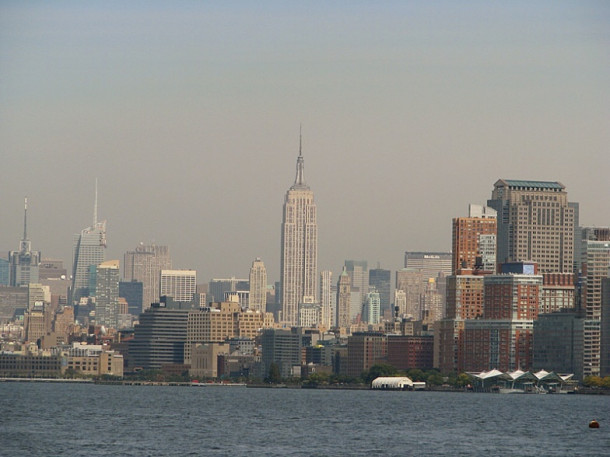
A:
{"x":592,"y":381}
{"x":415,"y":374}
{"x":377,"y":370}
{"x":275,"y":377}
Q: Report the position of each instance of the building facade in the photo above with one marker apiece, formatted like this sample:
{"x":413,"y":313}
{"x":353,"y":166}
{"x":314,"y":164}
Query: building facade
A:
{"x":181,"y":285}
{"x":474,"y":237}
{"x":144,"y":264}
{"x":257,"y":301}
{"x":299,"y":256}
{"x":535,"y":223}
{"x":343,"y":300}
{"x":107,"y":294}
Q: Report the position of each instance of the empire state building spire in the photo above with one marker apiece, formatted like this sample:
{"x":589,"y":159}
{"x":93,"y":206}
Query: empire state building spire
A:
{"x":299,"y":180}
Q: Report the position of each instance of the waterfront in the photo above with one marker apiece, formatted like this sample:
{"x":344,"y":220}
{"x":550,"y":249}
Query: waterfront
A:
{"x":93,"y":420}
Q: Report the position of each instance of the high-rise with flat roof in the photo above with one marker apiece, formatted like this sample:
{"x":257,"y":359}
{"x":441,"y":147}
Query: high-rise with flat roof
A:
{"x":343,"y":300}
{"x":430,"y":264}
{"x":535,"y":223}
{"x":329,"y":317}
{"x":107,"y":293}
{"x":181,"y":285}
{"x":257,"y":301}
{"x":475,"y":237}
{"x":299,"y":258}
{"x":144,"y":264}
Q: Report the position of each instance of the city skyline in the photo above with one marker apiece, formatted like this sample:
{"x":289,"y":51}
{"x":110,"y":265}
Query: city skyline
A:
{"x":409,"y":112}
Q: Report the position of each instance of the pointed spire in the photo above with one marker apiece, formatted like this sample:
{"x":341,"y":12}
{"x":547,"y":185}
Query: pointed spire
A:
{"x":95,"y":206}
{"x":25,"y":220}
{"x":299,"y":180}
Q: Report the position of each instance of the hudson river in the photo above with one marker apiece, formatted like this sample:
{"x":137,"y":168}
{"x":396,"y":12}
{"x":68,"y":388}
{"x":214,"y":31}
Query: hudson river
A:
{"x":91,"y":420}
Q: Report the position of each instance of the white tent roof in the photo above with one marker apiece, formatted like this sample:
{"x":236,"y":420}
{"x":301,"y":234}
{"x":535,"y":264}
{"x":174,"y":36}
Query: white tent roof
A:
{"x":391,"y":382}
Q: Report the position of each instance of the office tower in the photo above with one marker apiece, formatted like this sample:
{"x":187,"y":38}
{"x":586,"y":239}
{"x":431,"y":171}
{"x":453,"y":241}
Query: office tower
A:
{"x":181,"y":285}
{"x":431,"y":304}
{"x":343,"y":300}
{"x":465,"y":296}
{"x":372,"y":307}
{"x":144,"y":264}
{"x":89,"y":249}
{"x":4,"y":272}
{"x":299,"y":261}
{"x":429,"y":263}
{"x":132,"y":292}
{"x":159,"y":337}
{"x":558,"y":343}
{"x":605,"y":329}
{"x":595,"y":256}
{"x":257,"y":301}
{"x":359,"y":277}
{"x":475,"y":236}
{"x":412,"y":282}
{"x":381,"y":280}
{"x":107,"y":293}
{"x":24,"y":263}
{"x":329,"y":316}
{"x":365,"y":349}
{"x":218,"y":288}
{"x":282,"y":347}
{"x":535,"y":223}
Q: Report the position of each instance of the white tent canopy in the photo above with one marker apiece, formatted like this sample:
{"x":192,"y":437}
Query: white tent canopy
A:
{"x":391,"y":383}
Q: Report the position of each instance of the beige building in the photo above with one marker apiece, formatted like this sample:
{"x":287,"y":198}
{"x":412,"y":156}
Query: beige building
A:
{"x":204,"y":359}
{"x":94,"y":360}
{"x":257,"y":300}
{"x":299,"y":258}
{"x":181,"y":285}
{"x":535,"y":223}
{"x":220,"y":322}
{"x":144,"y":264}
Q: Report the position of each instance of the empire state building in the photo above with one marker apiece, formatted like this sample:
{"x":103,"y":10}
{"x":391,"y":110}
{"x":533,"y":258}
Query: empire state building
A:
{"x":299,"y":263}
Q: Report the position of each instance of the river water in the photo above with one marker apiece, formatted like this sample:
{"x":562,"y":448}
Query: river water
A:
{"x":41,"y":419}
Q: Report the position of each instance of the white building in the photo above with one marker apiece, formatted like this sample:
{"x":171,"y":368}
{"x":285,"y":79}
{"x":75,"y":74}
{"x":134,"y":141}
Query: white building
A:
{"x":258,"y":286}
{"x":181,"y":285}
{"x":299,"y":258}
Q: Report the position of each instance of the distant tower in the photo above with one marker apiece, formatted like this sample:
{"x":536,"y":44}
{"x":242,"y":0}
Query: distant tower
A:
{"x":358,"y":272}
{"x":299,"y":261}
{"x":24,"y":263}
{"x":475,"y":236}
{"x":181,"y":285}
{"x":144,"y":264}
{"x":258,"y":286}
{"x":329,"y":315}
{"x":535,"y":222}
{"x":343,"y":300}
{"x":89,"y":250}
{"x":107,"y":293}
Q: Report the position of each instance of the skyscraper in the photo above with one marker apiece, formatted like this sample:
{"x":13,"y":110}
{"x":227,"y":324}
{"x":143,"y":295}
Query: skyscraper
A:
{"x":329,"y":316}
{"x":475,"y":236}
{"x":181,"y":285}
{"x":299,"y":261}
{"x":358,"y":272}
{"x":144,"y":264}
{"x":258,"y":286}
{"x":381,"y":280}
{"x":107,"y":293}
{"x":343,"y":300}
{"x":89,"y":249}
{"x":535,"y":222}
{"x":24,"y":263}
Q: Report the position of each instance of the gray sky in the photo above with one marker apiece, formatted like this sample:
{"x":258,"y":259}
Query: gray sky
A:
{"x":188,"y":113}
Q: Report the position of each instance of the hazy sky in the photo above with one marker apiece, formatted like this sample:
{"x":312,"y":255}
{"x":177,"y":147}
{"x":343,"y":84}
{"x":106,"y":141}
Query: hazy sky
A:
{"x":188,"y":113}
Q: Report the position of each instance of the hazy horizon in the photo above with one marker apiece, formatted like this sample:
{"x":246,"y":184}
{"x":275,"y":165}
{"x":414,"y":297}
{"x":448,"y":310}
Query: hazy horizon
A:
{"x":188,"y":114}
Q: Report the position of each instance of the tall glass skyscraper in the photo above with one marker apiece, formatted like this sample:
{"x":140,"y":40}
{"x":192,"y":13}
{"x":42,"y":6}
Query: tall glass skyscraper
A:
{"x":89,"y":249}
{"x":299,"y":261}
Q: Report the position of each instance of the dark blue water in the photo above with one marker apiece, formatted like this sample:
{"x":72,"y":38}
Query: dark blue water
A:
{"x":92,"y":420}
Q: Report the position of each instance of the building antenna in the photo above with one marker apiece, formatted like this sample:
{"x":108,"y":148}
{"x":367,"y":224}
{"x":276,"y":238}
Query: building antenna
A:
{"x":300,"y":140}
{"x":95,"y":206}
{"x":25,"y":220}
